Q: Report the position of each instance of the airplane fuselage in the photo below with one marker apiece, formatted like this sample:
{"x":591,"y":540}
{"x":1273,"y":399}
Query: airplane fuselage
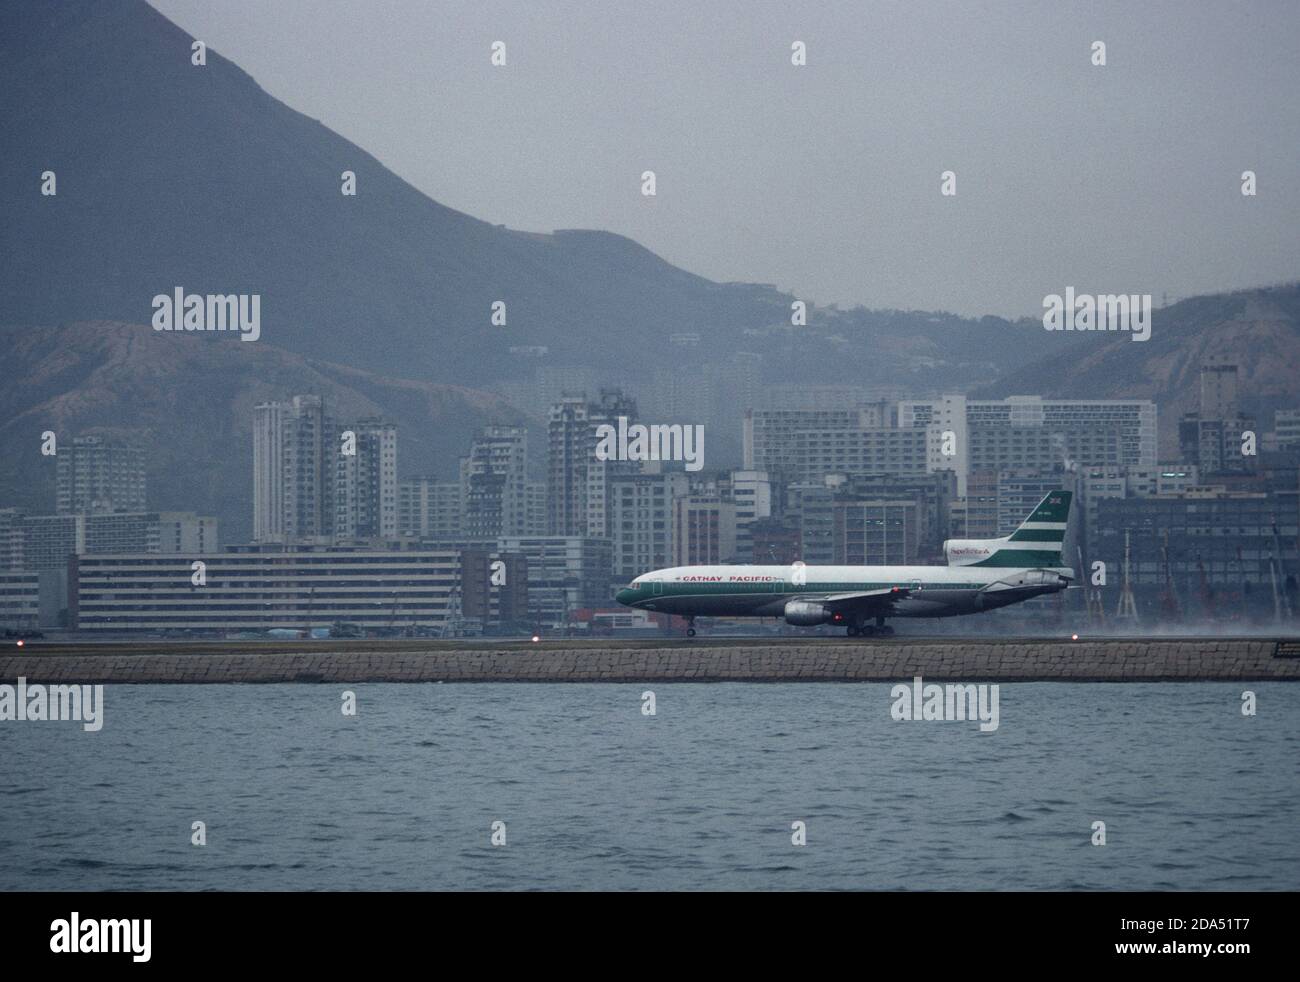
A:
{"x":982,"y":574}
{"x":764,"y":591}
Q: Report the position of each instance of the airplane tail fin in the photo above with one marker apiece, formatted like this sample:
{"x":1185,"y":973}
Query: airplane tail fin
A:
{"x":1038,"y":541}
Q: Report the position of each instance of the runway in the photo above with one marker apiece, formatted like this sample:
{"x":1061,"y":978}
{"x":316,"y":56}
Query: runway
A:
{"x":700,"y":659}
{"x":280,"y":646}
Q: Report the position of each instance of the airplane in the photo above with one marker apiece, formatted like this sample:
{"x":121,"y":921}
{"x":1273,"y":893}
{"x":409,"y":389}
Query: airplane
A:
{"x":982,"y":574}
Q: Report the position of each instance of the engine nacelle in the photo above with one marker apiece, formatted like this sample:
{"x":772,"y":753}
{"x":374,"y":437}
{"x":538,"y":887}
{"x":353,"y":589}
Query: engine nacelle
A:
{"x":802,"y":613}
{"x":1029,"y":579}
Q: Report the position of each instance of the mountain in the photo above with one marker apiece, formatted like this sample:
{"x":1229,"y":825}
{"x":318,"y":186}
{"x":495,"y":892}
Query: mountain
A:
{"x":189,"y":400}
{"x":173,"y":175}
{"x":1259,"y":330}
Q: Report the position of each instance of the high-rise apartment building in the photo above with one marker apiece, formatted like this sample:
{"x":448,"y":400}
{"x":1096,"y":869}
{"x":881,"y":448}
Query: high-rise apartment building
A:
{"x":752,"y":493}
{"x":494,"y":484}
{"x":429,"y":509}
{"x":1286,"y":429}
{"x":1032,"y":433}
{"x":293,"y":449}
{"x":314,"y":480}
{"x":703,"y":529}
{"x":784,"y":442}
{"x":578,"y":482}
{"x":1214,"y":437}
{"x":365,"y":482}
{"x":268,"y":471}
{"x":99,"y":475}
{"x":641,"y":518}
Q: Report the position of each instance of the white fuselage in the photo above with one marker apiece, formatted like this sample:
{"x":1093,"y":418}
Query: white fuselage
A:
{"x":763,"y":591}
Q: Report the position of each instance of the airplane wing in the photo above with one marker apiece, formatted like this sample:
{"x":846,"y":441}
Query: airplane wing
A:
{"x":866,"y":602}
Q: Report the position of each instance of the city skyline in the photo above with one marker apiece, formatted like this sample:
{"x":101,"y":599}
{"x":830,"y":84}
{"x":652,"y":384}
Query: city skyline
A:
{"x":879,"y":484}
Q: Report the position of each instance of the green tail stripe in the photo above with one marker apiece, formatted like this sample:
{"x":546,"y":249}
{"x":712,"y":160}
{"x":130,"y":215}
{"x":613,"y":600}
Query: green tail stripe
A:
{"x":1037,"y":535}
{"x":1022,"y":558}
{"x":1055,"y":507}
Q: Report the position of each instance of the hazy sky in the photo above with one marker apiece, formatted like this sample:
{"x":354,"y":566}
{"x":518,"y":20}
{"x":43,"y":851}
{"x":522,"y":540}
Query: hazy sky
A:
{"x":825,"y":179}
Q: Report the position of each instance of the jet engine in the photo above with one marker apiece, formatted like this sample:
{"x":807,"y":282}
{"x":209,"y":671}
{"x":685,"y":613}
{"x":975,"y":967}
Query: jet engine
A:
{"x":802,"y":613}
{"x":1029,"y":579}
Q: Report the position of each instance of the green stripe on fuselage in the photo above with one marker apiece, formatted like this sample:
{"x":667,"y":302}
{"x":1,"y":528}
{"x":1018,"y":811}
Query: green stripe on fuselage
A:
{"x":1038,"y":535}
{"x":1022,"y":558}
{"x":679,"y":589}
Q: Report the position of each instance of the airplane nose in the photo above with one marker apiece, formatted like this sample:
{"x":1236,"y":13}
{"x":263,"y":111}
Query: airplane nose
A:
{"x":624,"y":596}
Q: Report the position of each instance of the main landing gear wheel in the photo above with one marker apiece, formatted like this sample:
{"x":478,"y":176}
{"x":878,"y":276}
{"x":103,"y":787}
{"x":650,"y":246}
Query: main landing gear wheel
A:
{"x":690,"y":632}
{"x":854,"y":631}
{"x":690,"y":627}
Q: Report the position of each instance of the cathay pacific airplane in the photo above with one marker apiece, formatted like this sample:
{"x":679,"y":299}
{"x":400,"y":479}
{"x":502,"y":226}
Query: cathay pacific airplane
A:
{"x":981,"y":574}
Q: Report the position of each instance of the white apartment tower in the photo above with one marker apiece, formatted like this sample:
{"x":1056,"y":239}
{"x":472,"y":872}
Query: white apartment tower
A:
{"x":100,"y":476}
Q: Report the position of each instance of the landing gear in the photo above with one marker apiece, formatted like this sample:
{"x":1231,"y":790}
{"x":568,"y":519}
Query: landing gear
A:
{"x":690,"y":627}
{"x":879,"y":629}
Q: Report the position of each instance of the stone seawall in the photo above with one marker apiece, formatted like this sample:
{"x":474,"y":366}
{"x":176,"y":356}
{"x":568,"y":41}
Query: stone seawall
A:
{"x":1116,"y":660}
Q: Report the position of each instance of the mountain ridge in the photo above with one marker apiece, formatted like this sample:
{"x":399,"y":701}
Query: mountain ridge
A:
{"x":243,"y":195}
{"x":1258,"y":329}
{"x":175,"y":175}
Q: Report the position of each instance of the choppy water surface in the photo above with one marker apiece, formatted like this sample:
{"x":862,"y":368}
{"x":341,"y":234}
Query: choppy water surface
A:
{"x":594,"y":794}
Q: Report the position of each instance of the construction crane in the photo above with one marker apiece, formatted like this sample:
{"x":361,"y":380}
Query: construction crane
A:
{"x":1126,"y":609}
{"x":1207,"y":594}
{"x":392,"y":617}
{"x":1170,"y":608}
{"x":454,"y":624}
{"x":1281,"y":602}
